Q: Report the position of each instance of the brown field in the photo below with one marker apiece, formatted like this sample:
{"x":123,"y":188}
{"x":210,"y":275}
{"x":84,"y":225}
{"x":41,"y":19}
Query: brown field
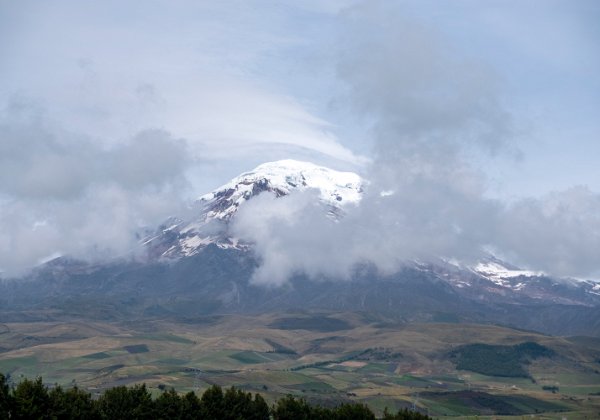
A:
{"x":379,"y":362}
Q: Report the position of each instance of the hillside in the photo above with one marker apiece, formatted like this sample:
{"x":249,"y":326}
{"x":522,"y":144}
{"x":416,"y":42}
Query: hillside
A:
{"x":326,"y":357}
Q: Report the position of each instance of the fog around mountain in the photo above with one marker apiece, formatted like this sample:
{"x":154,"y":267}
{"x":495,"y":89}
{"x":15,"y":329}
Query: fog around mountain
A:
{"x":119,"y":136}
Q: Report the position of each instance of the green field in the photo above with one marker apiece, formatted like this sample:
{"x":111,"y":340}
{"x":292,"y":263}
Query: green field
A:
{"x":445,"y":369}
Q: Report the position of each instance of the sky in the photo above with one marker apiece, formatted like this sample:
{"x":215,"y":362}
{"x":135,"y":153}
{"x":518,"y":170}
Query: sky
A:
{"x":113,"y":115}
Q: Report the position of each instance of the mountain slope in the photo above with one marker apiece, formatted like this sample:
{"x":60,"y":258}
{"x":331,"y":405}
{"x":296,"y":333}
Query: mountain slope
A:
{"x":195,"y":268}
{"x":495,"y":279}
{"x":217,"y":281}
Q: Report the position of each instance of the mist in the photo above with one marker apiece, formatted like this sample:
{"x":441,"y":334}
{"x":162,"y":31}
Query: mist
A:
{"x":429,"y":110}
{"x":115,"y":117}
{"x":472,"y":134}
{"x":64,"y":194}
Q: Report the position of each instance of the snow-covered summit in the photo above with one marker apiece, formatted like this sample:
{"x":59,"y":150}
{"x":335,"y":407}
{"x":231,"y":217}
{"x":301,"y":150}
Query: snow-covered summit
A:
{"x":213,"y":211}
{"x":281,"y":178}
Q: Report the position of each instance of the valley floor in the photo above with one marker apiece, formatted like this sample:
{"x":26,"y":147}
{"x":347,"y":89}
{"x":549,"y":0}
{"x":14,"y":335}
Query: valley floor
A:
{"x":326,"y":358}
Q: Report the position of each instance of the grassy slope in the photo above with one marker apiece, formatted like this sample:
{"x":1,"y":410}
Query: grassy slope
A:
{"x":383,"y":364}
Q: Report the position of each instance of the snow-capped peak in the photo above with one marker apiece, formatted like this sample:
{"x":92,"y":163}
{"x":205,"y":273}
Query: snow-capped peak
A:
{"x":214,"y":210}
{"x":281,"y":178}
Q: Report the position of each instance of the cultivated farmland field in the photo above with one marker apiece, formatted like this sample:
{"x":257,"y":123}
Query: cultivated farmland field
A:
{"x":326,"y":358}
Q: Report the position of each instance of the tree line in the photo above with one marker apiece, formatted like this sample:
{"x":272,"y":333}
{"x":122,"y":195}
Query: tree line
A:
{"x":497,"y":360}
{"x":31,"y":399}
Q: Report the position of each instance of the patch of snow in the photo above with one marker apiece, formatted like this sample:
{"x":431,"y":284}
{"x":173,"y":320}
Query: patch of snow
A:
{"x":170,"y":227}
{"x":147,"y":241}
{"x":453,"y":261}
{"x":190,"y":228}
{"x":190,"y":245}
{"x":49,"y":258}
{"x":595,"y":290}
{"x":496,"y":272}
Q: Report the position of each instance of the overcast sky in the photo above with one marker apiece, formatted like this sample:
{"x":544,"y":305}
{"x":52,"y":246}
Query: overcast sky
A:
{"x":113,"y":114}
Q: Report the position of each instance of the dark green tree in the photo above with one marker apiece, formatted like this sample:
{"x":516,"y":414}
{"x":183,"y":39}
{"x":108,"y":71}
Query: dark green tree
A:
{"x":260,"y":410}
{"x":114,"y":403}
{"x":212,"y":403}
{"x":5,"y":398}
{"x":354,"y":412}
{"x":290,"y":408}
{"x":72,"y":404}
{"x":192,"y":407}
{"x":404,"y":414}
{"x":237,"y":404}
{"x":31,"y":400}
{"x":323,"y":413}
{"x":126,"y":403}
{"x":169,"y":406}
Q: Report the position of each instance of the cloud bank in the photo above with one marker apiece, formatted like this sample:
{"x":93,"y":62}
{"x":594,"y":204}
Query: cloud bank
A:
{"x":429,"y":109}
{"x":113,"y":116}
{"x":62,"y":193}
{"x":99,"y":151}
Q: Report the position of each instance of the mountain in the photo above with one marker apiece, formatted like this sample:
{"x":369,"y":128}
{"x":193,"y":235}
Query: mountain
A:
{"x":195,"y":268}
{"x":212,"y":212}
{"x":281,"y":178}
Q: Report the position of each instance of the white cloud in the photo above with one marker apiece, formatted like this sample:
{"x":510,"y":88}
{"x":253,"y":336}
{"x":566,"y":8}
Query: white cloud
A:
{"x":192,"y":68}
{"x":95,"y":153}
{"x":63,"y":193}
{"x":427,"y":105}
